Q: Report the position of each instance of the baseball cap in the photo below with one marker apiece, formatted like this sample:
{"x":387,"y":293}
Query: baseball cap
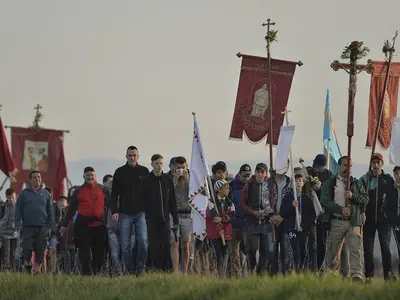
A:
{"x":219,"y":184}
{"x":172,"y":161}
{"x":220,"y":165}
{"x":262,"y":166}
{"x":88,"y":169}
{"x":377,"y":156}
{"x":245,"y":168}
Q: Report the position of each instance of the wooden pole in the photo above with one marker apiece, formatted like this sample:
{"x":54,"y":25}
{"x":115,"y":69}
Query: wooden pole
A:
{"x":298,"y":222}
{"x":270,"y":37}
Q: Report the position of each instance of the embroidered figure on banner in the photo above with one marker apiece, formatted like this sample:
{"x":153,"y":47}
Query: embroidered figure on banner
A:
{"x":261,"y":102}
{"x":35,"y":156}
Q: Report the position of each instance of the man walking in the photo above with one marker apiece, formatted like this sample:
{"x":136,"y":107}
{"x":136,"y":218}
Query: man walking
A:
{"x":90,"y":233}
{"x":34,"y":213}
{"x":376,"y":221}
{"x":159,"y":195}
{"x":345,"y":222}
{"x":129,"y":211}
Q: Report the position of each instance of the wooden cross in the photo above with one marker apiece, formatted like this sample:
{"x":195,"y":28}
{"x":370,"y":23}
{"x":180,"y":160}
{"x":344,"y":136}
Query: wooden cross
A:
{"x":353,"y":69}
{"x":38,"y":116}
{"x":38,"y":108}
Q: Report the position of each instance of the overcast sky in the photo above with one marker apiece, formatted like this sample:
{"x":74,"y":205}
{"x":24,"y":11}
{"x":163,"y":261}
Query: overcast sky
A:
{"x":117,"y":73}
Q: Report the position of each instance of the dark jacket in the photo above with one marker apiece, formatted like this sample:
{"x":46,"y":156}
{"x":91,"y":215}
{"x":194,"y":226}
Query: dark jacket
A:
{"x":34,"y":209}
{"x":236,"y":190}
{"x":392,"y":204}
{"x":7,"y":223}
{"x":288,"y":212}
{"x":127,"y":181}
{"x":375,"y":209}
{"x":359,"y":199}
{"x":158,"y":194}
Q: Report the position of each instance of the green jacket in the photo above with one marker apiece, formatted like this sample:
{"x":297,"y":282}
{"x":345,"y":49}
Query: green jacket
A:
{"x":359,"y":199}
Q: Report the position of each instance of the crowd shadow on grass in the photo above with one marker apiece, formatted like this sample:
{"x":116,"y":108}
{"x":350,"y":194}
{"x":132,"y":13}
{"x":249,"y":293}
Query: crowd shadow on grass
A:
{"x":167,"y":286}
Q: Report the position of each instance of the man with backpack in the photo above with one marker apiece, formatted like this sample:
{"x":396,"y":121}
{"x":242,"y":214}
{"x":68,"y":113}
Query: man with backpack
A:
{"x":90,"y":232}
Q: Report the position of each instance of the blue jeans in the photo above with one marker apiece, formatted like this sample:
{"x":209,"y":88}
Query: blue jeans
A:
{"x":115,"y":250}
{"x":282,"y":247}
{"x":134,"y":225}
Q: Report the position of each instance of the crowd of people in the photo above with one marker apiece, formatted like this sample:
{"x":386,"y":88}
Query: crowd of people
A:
{"x":138,"y":220}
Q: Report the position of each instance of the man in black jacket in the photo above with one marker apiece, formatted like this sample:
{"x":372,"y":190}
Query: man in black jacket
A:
{"x":129,"y":211}
{"x":159,"y":195}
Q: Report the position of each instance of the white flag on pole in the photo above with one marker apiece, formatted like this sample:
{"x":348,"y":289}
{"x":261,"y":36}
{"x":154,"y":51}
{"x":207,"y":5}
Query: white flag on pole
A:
{"x":394,"y":149}
{"x":198,"y":187}
{"x":283,"y":149}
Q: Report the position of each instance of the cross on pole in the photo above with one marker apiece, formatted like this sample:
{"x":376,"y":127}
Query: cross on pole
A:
{"x":38,"y":115}
{"x":355,"y":51}
{"x":270,"y":37}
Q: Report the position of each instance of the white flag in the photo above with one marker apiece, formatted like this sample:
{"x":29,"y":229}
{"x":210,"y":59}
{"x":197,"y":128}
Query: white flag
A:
{"x":198,"y":187}
{"x":283,"y":149}
{"x":394,"y":149}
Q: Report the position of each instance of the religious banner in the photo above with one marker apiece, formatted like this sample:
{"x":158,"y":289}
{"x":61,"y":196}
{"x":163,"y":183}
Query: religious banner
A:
{"x":389,"y":105}
{"x":251,"y":115}
{"x":7,"y":165}
{"x":37,"y":149}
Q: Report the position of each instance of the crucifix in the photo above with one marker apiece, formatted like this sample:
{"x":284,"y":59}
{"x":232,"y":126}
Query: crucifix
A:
{"x":38,"y":116}
{"x":298,"y":221}
{"x":355,"y":51}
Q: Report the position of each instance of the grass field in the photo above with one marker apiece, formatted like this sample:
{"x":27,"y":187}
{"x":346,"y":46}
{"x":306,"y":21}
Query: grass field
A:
{"x":156,"y":286}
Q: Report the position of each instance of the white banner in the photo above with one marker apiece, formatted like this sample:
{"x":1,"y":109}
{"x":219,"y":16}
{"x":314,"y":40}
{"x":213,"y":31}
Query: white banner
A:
{"x":283,"y":149}
{"x":394,"y":149}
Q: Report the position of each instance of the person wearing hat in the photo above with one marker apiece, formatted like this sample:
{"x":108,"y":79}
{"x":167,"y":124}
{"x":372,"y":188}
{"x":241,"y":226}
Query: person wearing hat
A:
{"x":172,"y":163}
{"x":255,"y":203}
{"x":219,"y":216}
{"x":239,"y":223}
{"x":344,"y":221}
{"x":90,"y":233}
{"x":375,"y":219}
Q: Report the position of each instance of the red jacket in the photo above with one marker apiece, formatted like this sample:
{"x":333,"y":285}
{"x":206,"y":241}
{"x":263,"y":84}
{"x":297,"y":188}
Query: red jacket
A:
{"x":225,"y":209}
{"x":89,"y":201}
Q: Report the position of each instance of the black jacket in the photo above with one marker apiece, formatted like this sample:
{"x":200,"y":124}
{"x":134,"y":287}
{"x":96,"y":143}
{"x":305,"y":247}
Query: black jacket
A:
{"x":158,"y":194}
{"x":127,"y":181}
{"x":375,"y":207}
{"x":288,"y":212}
{"x":392,"y":205}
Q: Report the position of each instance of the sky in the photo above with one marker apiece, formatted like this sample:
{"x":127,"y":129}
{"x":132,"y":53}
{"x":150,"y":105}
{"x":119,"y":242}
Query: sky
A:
{"x":120,"y":73}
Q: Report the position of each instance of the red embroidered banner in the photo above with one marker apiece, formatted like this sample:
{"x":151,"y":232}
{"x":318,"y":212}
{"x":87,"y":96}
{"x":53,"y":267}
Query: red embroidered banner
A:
{"x":389,"y":105}
{"x":39,"y":150}
{"x":6,"y":161}
{"x":251,"y":115}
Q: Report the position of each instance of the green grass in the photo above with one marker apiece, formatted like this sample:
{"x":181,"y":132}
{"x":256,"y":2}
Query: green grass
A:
{"x":156,"y":286}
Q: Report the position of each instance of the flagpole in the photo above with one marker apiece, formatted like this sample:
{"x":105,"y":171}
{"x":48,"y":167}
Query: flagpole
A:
{"x":298,"y":222}
{"x":328,"y":153}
